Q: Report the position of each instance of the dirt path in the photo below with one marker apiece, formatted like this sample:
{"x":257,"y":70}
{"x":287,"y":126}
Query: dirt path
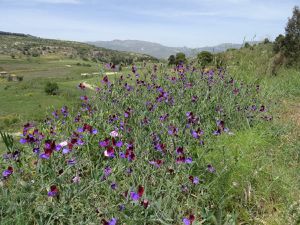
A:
{"x":89,"y":86}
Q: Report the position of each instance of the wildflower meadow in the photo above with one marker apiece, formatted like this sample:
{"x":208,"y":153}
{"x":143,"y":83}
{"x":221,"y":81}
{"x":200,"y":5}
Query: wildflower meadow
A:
{"x":138,"y":150}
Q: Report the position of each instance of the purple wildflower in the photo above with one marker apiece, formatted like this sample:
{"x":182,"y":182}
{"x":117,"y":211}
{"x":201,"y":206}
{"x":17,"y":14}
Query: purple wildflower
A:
{"x":134,"y":196}
{"x":53,"y":191}
{"x":210,"y":168}
{"x":8,"y":172}
{"x":113,"y":186}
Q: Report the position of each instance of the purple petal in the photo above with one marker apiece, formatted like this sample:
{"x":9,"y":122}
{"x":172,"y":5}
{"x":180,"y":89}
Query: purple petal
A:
{"x":196,"y":180}
{"x":186,"y":221}
{"x":6,"y":173}
{"x":122,"y":155}
{"x":189,"y":160}
{"x":44,"y":156}
{"x":119,"y":144}
{"x":112,"y":222}
{"x":23,"y":141}
{"x":95,"y":131}
{"x":65,"y":151}
{"x":58,"y":147}
{"x":134,"y":196}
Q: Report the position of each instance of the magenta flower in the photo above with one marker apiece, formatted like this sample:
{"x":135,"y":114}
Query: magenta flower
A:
{"x":84,"y":98}
{"x":64,"y":111}
{"x":87,"y":128}
{"x":71,"y":162}
{"x":211,"y":169}
{"x":113,"y":186}
{"x":188,"y":160}
{"x":104,"y":143}
{"x":197,"y":133}
{"x":105,"y":81}
{"x":8,"y":172}
{"x":135,"y":196}
{"x":164,"y":117}
{"x":194,"y":180}
{"x":109,"y":152}
{"x":172,"y":130}
{"x":189,"y":220}
{"x":53,"y":191}
{"x":145,"y":203}
{"x":119,"y":144}
{"x":113,"y":221}
{"x":157,"y":162}
{"x":107,"y":171}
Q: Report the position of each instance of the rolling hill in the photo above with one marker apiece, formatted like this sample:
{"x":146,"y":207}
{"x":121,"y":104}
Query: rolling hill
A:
{"x":18,"y":45}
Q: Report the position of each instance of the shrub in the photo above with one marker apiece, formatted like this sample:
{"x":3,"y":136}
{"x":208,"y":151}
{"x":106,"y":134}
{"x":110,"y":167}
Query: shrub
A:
{"x":205,"y":58}
{"x":35,"y":54}
{"x":266,"y":41}
{"x":51,"y":88}
{"x":180,"y":58}
{"x":247,"y":45}
{"x":171,"y":60}
{"x":278,"y":43}
{"x":20,"y":78}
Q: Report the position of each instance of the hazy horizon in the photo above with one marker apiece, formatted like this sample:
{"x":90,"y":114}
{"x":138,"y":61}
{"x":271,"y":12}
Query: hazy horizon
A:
{"x":176,"y":23}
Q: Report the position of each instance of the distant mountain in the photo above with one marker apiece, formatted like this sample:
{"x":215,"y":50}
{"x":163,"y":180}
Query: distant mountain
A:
{"x":16,"y":44}
{"x":158,"y":50}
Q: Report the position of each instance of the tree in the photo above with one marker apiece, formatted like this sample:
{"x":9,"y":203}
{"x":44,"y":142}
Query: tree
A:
{"x":180,"y":58}
{"x":292,"y":38}
{"x":266,"y":41}
{"x":171,"y":60}
{"x":247,"y":45}
{"x":51,"y":88}
{"x":205,"y":58}
{"x":279,"y":43}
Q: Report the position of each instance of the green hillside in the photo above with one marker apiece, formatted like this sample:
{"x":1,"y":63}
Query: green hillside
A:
{"x":21,"y":45}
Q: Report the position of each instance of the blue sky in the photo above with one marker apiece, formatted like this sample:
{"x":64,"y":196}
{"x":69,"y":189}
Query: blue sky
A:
{"x":192,"y":23}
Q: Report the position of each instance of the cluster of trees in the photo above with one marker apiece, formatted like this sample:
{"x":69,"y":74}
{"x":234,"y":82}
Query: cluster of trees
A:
{"x":204,"y":58}
{"x":179,"y":58}
{"x":288,"y":46}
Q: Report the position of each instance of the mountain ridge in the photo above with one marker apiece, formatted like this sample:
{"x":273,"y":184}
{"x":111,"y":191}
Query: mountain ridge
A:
{"x":159,"y":50}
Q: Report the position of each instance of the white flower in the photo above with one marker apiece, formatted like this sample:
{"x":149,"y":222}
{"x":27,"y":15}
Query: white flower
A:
{"x":114,"y":134}
{"x":63,"y":144}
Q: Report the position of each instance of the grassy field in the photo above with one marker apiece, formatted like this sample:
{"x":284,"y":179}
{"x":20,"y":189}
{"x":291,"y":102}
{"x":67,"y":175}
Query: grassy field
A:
{"x":27,"y":100}
{"x":247,"y":175}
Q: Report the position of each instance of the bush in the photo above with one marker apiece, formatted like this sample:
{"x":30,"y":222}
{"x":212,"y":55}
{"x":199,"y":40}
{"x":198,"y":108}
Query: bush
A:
{"x":266,"y":41}
{"x":279,"y":43}
{"x":51,"y":88}
{"x":20,"y":78}
{"x":180,"y":58}
{"x":205,"y":58}
{"x":247,"y":45}
{"x":171,"y":60}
